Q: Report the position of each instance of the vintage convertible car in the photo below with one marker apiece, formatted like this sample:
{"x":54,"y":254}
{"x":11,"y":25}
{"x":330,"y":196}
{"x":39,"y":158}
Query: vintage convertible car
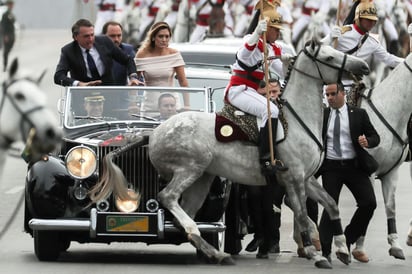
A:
{"x":97,"y":121}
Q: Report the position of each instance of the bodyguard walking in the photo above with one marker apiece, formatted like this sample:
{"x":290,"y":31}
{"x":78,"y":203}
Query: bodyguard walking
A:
{"x":8,"y":32}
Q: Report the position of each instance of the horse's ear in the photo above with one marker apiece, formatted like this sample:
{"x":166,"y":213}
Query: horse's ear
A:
{"x":41,"y":76}
{"x":13,"y":67}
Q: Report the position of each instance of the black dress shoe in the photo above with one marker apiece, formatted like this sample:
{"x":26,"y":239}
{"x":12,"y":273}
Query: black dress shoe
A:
{"x":274,"y":248}
{"x":254,"y":244}
{"x":262,"y":255}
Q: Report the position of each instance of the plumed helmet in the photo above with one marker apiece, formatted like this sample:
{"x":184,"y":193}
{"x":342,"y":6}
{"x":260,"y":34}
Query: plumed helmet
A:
{"x":366,"y":9}
{"x":267,"y":4}
{"x":273,"y":17}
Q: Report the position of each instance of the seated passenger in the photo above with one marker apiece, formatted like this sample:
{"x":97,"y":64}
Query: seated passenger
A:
{"x":167,"y":106}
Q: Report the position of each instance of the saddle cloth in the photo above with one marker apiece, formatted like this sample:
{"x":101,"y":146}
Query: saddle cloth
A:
{"x":233,"y":124}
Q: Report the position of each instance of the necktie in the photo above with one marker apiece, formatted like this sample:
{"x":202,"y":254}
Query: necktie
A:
{"x":92,"y":66}
{"x":336,"y":135}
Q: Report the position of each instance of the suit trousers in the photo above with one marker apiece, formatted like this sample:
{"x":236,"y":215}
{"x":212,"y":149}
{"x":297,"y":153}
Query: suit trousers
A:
{"x":336,"y":174}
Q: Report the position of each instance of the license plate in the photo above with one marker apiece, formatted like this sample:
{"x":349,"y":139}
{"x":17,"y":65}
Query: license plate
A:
{"x":117,"y":223}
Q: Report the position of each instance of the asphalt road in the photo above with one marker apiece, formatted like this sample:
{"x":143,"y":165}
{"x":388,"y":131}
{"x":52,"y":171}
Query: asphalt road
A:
{"x":38,"y":50}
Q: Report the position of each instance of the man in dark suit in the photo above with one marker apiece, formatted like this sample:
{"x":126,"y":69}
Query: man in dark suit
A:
{"x":89,"y":59}
{"x":347,"y":131}
{"x":114,"y":31}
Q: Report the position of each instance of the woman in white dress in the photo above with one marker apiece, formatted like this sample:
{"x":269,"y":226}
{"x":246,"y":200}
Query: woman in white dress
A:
{"x":159,"y":64}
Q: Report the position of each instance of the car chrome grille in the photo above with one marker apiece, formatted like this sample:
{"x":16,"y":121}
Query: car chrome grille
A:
{"x":138,"y":171}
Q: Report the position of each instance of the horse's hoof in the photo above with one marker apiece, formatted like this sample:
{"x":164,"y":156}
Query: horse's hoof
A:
{"x":227,"y":261}
{"x":409,"y":241}
{"x":343,"y":257}
{"x":324,"y":264}
{"x":397,"y":253}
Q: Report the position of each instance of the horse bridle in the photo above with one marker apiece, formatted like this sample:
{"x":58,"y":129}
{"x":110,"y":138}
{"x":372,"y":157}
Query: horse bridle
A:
{"x":316,"y":61}
{"x":5,"y":141}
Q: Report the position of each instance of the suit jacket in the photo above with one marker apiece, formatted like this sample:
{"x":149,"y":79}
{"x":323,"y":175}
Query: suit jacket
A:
{"x":71,"y":60}
{"x":120,"y":71}
{"x":359,"y":124}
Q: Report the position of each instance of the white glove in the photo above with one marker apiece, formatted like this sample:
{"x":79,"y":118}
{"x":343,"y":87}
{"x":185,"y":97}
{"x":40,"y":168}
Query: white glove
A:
{"x":336,"y":32}
{"x":285,"y":57}
{"x":260,"y":28}
{"x":410,"y":29}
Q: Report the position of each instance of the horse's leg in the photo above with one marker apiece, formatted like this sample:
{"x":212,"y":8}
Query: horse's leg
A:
{"x":169,"y":198}
{"x":318,"y":193}
{"x":388,"y":183}
{"x":297,"y":198}
{"x":409,"y":239}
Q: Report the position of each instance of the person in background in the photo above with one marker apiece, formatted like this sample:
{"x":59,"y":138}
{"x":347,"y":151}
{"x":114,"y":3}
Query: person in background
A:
{"x":159,"y":64}
{"x":353,"y":38}
{"x":89,"y":59}
{"x":107,"y":10}
{"x":347,"y":131}
{"x":114,"y":31}
{"x":94,"y":105}
{"x":167,"y":106}
{"x":7,"y":32}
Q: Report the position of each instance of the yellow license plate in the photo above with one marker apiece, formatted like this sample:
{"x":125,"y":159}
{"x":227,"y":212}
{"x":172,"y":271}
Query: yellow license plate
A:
{"x":117,"y":223}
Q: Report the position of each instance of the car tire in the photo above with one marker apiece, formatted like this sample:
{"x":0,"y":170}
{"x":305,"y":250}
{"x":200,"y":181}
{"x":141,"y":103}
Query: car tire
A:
{"x":47,"y":245}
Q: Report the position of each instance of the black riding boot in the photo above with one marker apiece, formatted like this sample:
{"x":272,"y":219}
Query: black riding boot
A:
{"x":264,"y":150}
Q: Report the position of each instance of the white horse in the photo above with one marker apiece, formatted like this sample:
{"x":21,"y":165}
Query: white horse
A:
{"x":24,"y":117}
{"x":389,"y":107}
{"x":185,"y":152}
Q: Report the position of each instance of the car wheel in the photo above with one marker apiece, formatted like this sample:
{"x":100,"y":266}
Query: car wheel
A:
{"x":47,"y":245}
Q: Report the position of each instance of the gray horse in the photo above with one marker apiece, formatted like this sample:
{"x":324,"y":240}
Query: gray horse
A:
{"x":185,"y":152}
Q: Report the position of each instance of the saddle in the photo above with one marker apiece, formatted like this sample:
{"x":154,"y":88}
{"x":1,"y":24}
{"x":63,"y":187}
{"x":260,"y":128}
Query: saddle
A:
{"x":233,"y":124}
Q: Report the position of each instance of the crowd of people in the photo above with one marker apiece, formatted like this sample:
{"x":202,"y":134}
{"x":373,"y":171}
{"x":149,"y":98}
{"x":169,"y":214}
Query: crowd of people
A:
{"x":106,"y":60}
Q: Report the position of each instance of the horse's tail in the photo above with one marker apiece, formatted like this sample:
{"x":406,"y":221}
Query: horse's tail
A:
{"x":112,"y":179}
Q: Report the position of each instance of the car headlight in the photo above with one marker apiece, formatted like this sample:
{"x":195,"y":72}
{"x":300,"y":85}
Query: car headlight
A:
{"x":131,"y":205}
{"x":81,"y":162}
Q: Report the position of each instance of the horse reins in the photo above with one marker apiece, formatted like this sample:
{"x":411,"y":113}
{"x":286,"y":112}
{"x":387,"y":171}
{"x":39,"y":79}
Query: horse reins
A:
{"x":388,"y":126}
{"x":24,"y":114}
{"x":315,"y":60}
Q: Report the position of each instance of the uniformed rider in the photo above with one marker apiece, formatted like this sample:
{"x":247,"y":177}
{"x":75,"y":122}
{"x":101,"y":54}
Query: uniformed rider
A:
{"x":248,"y":75}
{"x":355,"y":39}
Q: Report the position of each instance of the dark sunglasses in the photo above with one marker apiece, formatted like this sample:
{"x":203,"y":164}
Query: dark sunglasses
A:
{"x":331,"y":94}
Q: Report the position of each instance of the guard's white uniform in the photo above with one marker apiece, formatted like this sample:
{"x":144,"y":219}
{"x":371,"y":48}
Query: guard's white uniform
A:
{"x":371,"y":47}
{"x":107,"y":10}
{"x":386,"y":9}
{"x":151,"y":8}
{"x":309,"y":7}
{"x":242,"y":89}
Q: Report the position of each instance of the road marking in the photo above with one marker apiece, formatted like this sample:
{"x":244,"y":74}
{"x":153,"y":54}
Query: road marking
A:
{"x":15,"y":190}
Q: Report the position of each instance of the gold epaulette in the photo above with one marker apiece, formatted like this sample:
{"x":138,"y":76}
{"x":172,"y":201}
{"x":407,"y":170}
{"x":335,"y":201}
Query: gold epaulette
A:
{"x":345,"y":28}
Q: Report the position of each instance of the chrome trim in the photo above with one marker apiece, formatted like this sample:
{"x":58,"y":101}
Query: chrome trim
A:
{"x":161,"y":224}
{"x":62,"y":224}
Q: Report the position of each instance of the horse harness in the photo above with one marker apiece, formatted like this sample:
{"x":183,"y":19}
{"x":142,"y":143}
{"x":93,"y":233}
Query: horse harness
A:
{"x":388,"y":126}
{"x":5,"y":141}
{"x":315,"y":60}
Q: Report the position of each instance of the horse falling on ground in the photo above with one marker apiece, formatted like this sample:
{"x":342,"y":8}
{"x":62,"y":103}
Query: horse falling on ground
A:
{"x":186,"y":153}
{"x":24,"y":117}
{"x":389,"y":108}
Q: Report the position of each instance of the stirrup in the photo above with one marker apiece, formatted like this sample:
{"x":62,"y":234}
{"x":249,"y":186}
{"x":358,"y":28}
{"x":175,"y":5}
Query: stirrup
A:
{"x":268,"y":169}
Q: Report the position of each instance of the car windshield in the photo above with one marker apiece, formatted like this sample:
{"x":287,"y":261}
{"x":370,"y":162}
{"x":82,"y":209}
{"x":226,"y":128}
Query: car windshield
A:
{"x":92,"y":105}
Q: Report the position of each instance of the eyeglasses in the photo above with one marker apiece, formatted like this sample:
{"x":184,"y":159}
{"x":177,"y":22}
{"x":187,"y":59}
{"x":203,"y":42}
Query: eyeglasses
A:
{"x":331,"y":94}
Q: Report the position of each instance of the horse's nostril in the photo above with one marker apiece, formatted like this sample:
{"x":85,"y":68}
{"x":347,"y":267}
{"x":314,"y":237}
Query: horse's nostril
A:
{"x":52,"y":134}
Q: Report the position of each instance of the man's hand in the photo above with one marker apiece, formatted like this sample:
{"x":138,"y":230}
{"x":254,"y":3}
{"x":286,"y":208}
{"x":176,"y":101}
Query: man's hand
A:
{"x":336,"y":32}
{"x":135,"y":82}
{"x":363,"y":141}
{"x":285,"y":57}
{"x":91,"y":83}
{"x":261,"y":27}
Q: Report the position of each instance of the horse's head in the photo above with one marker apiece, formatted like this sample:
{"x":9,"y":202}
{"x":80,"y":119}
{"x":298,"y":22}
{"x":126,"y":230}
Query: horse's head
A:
{"x":24,"y":115}
{"x":332,"y":65}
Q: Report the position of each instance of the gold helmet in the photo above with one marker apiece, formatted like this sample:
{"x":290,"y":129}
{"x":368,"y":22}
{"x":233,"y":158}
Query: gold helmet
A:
{"x":274,"y":18}
{"x":366,"y":9}
{"x":267,"y":4}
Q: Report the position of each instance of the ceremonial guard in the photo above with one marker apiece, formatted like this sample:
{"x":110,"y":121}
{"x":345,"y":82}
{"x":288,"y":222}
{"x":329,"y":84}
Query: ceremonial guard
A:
{"x":355,"y":39}
{"x":248,"y":75}
{"x":107,"y":11}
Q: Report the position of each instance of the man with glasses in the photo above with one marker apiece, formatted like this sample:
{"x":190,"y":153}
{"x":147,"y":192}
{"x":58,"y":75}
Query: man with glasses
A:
{"x":354,"y":39}
{"x":347,"y":131}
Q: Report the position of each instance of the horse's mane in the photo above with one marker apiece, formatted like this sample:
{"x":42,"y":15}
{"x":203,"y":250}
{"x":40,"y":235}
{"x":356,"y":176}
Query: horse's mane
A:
{"x":289,"y":71}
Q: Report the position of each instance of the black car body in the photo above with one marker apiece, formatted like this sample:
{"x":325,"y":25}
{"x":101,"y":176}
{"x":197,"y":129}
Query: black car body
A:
{"x":58,"y":209}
